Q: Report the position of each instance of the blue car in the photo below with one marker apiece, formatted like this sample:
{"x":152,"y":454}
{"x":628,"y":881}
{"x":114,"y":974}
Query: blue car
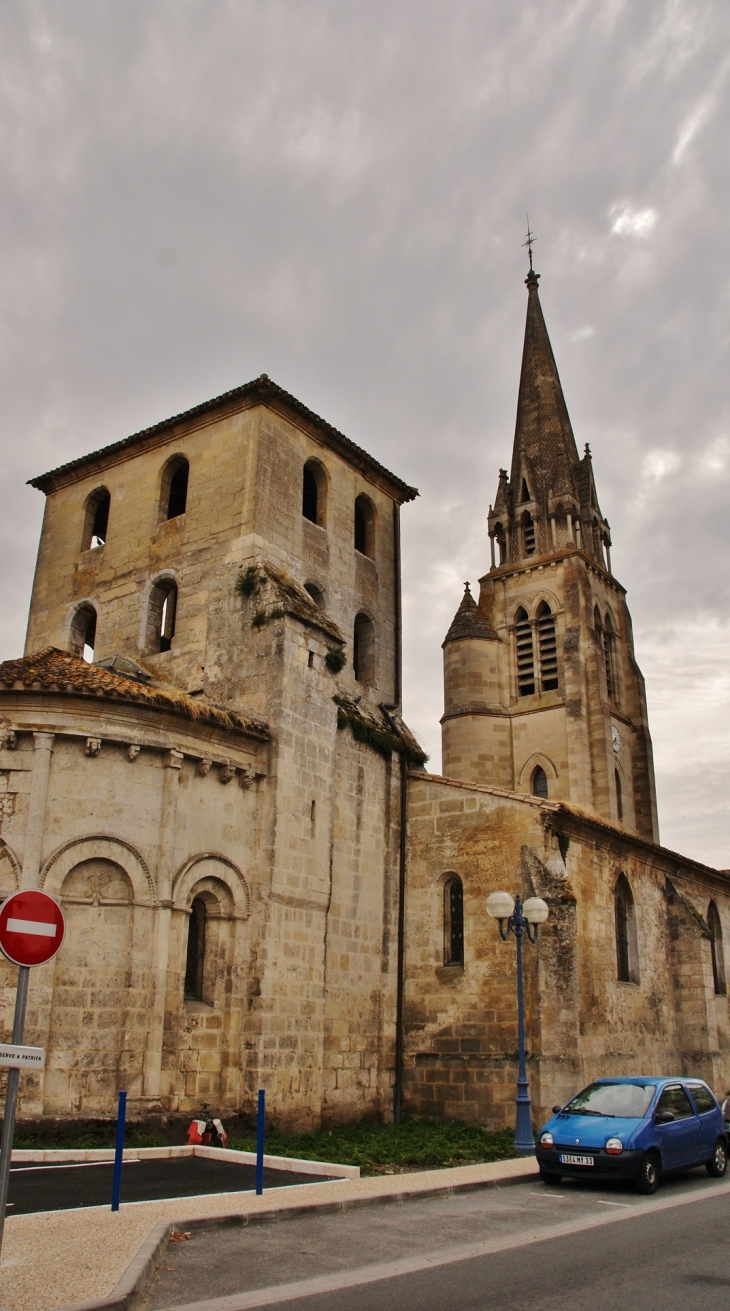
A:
{"x":635,"y":1129}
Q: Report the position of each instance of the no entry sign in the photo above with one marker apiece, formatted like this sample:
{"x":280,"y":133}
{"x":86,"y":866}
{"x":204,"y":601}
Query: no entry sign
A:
{"x":31,"y":927}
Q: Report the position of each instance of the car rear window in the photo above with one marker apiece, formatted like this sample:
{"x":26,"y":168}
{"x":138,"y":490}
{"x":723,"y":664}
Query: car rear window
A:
{"x":702,"y":1097}
{"x":628,"y":1100}
{"x":675,"y":1099}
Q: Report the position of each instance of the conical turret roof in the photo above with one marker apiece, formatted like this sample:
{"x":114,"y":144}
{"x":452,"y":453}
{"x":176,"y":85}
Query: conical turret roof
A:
{"x":469,"y":621}
{"x":544,"y":455}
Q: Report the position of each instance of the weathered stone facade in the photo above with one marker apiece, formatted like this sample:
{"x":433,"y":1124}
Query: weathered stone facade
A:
{"x":202,"y":756}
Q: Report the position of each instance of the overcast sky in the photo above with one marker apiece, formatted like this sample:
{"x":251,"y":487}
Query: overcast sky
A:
{"x":198,"y":191}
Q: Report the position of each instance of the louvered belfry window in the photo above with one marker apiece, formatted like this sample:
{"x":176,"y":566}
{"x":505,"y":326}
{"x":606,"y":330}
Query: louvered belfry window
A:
{"x":525,"y":655}
{"x":608,"y":657}
{"x":528,"y":533}
{"x":547,"y":644}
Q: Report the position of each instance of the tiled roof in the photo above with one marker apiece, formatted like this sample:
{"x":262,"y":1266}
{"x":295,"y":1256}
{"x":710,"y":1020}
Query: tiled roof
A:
{"x":469,"y":621}
{"x":262,"y":391}
{"x":61,"y":673}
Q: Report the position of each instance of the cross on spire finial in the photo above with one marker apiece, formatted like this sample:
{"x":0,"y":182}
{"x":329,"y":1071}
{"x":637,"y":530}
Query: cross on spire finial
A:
{"x":530,"y":239}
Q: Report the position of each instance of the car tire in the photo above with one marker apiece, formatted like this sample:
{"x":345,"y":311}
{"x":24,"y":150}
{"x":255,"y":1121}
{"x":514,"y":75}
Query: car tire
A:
{"x":548,"y":1177}
{"x":717,"y":1165}
{"x":648,"y":1177}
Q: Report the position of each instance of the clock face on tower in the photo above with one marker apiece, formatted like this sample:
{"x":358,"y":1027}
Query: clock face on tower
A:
{"x":616,"y":736}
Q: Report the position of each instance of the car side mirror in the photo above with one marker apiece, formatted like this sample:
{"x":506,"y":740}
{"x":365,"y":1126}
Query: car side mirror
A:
{"x":664,"y":1117}
{"x":557,"y":1110}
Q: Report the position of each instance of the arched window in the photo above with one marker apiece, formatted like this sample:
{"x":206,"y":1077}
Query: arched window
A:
{"x":718,"y":956}
{"x":501,"y":544}
{"x":619,"y":797}
{"x":539,"y":784}
{"x":83,"y":633}
{"x":161,"y":622}
{"x":174,"y":488}
{"x":365,"y":526}
{"x":608,"y":656}
{"x":96,"y":519}
{"x":528,"y":534}
{"x":525,"y":491}
{"x":627,"y":952}
{"x":316,"y":594}
{"x":364,"y":649}
{"x":195,"y":958}
{"x":547,"y":646}
{"x":314,"y":493}
{"x":525,"y":655}
{"x":453,"y":921}
{"x":598,"y":623}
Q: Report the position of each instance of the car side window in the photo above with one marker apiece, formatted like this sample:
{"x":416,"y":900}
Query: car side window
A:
{"x":702,"y":1097}
{"x":675,"y":1099}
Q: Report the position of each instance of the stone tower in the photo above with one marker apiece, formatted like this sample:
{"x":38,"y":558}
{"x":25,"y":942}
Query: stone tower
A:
{"x":542,"y":691}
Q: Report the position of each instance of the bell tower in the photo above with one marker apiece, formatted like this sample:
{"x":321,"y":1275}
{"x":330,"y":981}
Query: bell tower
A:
{"x":542,"y":691}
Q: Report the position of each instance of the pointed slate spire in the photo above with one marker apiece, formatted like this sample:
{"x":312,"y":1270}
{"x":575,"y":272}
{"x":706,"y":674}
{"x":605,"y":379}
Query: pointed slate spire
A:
{"x":544,"y":456}
{"x":469,"y":621}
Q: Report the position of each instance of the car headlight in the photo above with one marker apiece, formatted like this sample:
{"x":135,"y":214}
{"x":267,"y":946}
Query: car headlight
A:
{"x":546,"y":1139}
{"x":614,"y":1146}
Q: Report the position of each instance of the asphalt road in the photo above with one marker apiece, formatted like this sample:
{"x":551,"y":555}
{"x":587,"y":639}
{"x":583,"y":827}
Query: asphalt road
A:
{"x":45,"y":1187}
{"x":622,"y":1252}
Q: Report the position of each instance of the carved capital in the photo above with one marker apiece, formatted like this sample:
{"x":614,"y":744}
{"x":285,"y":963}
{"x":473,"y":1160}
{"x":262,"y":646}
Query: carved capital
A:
{"x":174,"y":759}
{"x":8,"y":738}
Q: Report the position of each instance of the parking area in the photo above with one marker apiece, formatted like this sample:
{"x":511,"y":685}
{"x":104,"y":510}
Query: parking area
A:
{"x":53,"y":1187}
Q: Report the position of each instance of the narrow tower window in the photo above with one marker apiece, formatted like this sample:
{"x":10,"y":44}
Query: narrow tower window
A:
{"x":83,"y":633}
{"x":539,"y":783}
{"x":364,"y":649}
{"x":316,"y":594}
{"x":608,"y":656}
{"x":528,"y":534}
{"x":96,"y":519}
{"x":501,"y":544}
{"x":364,"y":526}
{"x":454,"y":921}
{"x":627,"y":955}
{"x":163,"y":606}
{"x":547,"y":644}
{"x":718,"y":956}
{"x":525,"y":491}
{"x":314,"y":493}
{"x":178,"y":495}
{"x":525,"y":656}
{"x":619,"y":797}
{"x":195,"y":959}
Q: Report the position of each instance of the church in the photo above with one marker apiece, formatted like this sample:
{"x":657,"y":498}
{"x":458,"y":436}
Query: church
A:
{"x":203,"y":757}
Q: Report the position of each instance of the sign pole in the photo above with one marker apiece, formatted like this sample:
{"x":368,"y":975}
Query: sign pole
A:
{"x":260,"y":1143}
{"x":11,"y":1097}
{"x":119,"y":1152}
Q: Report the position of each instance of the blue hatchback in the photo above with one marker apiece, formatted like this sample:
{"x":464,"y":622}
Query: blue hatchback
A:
{"x":634,"y":1129}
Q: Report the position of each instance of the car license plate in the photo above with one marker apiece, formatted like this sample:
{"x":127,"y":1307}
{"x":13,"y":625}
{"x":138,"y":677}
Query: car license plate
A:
{"x":566,"y":1159}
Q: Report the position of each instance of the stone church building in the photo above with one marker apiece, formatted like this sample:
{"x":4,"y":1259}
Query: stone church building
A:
{"x":202,"y":756}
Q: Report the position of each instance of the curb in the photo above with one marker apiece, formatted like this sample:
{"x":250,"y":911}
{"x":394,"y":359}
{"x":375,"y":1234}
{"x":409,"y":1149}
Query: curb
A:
{"x":127,"y":1292}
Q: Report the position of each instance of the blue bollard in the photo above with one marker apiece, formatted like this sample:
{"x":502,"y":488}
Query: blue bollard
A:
{"x":260,"y":1144}
{"x":119,"y":1151}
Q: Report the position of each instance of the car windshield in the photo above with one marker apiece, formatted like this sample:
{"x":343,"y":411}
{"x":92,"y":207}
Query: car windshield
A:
{"x":628,"y":1100}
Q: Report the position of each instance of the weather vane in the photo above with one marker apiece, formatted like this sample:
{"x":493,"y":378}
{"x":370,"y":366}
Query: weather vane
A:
{"x":530,"y":239}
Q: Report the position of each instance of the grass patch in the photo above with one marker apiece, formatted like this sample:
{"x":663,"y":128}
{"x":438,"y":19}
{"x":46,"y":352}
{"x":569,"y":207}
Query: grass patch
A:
{"x":391,"y":1148}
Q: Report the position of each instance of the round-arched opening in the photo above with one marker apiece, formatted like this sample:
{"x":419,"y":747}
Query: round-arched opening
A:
{"x":162,"y":615}
{"x":195,"y":956}
{"x":316,"y":594}
{"x":365,"y":526}
{"x":364,"y":649}
{"x":174,"y":488}
{"x":96,"y":519}
{"x":627,"y":945}
{"x":453,"y":921}
{"x":314,"y":493}
{"x":83,"y":633}
{"x":539,"y":783}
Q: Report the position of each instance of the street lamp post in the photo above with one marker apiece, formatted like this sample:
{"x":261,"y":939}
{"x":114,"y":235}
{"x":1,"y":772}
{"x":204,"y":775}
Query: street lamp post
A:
{"x":520,"y":919}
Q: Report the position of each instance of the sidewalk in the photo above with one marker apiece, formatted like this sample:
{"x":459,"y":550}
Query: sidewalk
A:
{"x":57,"y":1259}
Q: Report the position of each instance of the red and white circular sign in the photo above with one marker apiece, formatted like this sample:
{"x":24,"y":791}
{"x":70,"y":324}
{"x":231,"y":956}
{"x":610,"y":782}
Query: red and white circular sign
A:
{"x":31,"y":927}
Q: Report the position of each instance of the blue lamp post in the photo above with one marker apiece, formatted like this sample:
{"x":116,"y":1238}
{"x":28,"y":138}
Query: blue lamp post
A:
{"x":520,"y":919}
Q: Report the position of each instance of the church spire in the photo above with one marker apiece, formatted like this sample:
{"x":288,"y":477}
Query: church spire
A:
{"x":550,"y":502}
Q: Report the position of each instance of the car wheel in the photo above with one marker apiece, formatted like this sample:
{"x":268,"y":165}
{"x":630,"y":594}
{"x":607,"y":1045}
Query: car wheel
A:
{"x":648,"y":1177}
{"x":548,"y":1177}
{"x":717,"y":1165}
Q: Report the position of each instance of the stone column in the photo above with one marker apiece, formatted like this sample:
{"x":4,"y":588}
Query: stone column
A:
{"x":43,"y":749}
{"x":161,"y":933}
